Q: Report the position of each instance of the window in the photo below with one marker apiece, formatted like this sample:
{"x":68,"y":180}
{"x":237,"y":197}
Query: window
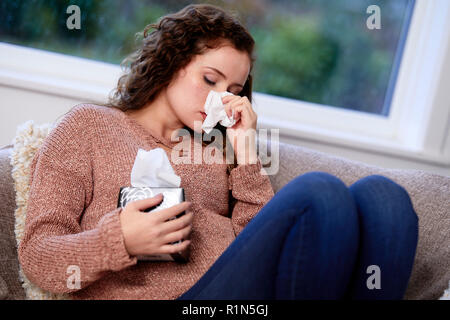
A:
{"x":318,"y":51}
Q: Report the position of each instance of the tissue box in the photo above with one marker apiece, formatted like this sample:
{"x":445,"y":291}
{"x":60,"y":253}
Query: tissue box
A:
{"x":171,"y":197}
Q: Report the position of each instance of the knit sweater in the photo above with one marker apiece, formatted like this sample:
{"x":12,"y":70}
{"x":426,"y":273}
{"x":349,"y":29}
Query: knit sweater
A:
{"x":73,"y":219}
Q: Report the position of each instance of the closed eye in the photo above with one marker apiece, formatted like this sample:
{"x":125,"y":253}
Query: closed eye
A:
{"x":209,"y":82}
{"x":213,"y":83}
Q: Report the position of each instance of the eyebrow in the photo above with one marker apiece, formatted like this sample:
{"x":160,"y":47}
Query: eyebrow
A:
{"x":218,"y":71}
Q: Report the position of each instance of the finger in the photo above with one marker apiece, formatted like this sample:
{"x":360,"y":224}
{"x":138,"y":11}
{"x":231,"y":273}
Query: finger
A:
{"x":227,"y":108}
{"x":177,"y":224}
{"x":248,"y":110}
{"x":147,"y":203}
{"x":226,"y":99}
{"x":230,"y":106}
{"x":166,"y":214}
{"x":238,"y":112}
{"x":178,"y":235}
{"x":246,"y":104}
{"x":174,"y":248}
{"x":238,"y":109}
{"x":229,"y":98}
{"x":228,"y":102}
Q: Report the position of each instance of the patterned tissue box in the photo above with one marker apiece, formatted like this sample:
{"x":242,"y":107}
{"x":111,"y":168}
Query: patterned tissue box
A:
{"x":171,"y":197}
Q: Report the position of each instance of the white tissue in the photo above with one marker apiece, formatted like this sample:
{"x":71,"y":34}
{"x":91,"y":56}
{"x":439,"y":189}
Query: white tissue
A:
{"x":153,"y":169}
{"x":215,"y":111}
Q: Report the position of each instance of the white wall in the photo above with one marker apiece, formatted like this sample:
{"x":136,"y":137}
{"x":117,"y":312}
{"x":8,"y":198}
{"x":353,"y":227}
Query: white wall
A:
{"x":19,"y":105}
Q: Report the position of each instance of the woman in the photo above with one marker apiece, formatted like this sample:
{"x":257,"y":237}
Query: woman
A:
{"x":314,"y":239}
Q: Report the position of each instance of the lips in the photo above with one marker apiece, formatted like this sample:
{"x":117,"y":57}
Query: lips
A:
{"x":203,"y":115}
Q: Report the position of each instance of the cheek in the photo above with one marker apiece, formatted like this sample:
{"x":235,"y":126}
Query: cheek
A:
{"x":198,"y":93}
{"x":189,"y":96}
{"x":201,"y":89}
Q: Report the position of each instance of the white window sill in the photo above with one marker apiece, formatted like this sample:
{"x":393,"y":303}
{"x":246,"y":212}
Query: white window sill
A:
{"x":339,"y":127}
{"x":56,"y":74}
{"x":351,"y":141}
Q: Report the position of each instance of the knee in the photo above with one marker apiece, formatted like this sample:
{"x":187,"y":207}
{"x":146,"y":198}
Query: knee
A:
{"x":325,"y":193}
{"x":320,"y":185}
{"x":392,"y":200}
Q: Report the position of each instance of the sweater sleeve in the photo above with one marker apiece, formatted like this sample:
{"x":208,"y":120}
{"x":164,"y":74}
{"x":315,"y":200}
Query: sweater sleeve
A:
{"x":54,"y":244}
{"x":251,"y":189}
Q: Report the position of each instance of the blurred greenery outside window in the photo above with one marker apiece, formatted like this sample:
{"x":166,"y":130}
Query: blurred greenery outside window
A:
{"x":317,"y":51}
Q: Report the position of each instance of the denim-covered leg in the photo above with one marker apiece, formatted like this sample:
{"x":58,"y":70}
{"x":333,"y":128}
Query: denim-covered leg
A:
{"x":320,"y":250}
{"x":388,"y":239}
{"x":307,"y":233}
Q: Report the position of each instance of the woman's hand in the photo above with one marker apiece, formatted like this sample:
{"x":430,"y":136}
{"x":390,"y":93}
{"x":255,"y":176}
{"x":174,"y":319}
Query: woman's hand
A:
{"x":244,"y":128}
{"x":147,"y":233}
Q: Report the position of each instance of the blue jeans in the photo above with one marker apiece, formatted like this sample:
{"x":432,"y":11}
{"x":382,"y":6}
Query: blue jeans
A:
{"x":319,"y":239}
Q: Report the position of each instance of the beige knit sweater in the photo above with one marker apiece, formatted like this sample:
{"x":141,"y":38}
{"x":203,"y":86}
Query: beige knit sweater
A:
{"x":72,"y":219}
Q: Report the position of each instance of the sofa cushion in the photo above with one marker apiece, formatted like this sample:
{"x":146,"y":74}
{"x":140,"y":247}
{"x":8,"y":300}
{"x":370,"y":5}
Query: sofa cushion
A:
{"x":28,"y":140}
{"x":429,"y":193}
{"x":4,"y":292}
{"x":10,"y":286}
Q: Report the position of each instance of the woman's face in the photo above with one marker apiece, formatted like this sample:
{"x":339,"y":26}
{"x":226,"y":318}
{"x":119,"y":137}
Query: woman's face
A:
{"x":187,"y":92}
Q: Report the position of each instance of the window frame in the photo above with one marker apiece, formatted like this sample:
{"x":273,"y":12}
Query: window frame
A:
{"x":418,"y":126}
{"x":415,"y":129}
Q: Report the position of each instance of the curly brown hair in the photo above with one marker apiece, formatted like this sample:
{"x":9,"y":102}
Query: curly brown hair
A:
{"x":177,"y":39}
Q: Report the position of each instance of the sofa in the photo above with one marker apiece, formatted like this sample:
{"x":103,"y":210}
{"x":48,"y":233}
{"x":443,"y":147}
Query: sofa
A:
{"x":430,"y":195}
